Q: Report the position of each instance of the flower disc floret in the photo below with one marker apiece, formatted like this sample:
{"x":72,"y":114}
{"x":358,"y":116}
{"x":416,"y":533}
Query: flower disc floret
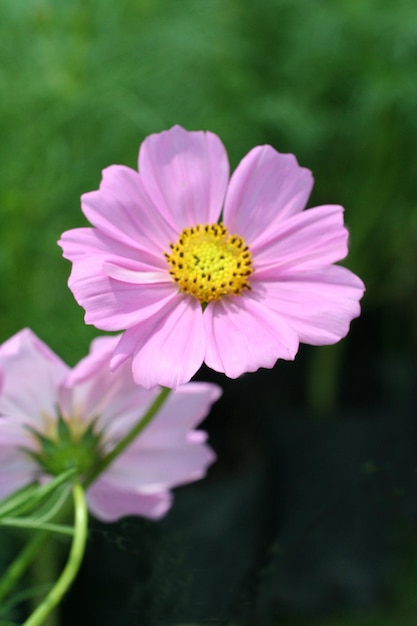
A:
{"x":207,"y":262}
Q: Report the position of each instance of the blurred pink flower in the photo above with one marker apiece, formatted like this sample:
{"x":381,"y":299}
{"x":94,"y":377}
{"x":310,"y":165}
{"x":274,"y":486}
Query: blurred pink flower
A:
{"x":41,"y":397}
{"x":198,"y":269}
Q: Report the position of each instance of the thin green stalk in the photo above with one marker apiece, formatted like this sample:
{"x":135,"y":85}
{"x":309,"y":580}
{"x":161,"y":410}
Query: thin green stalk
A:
{"x":75,"y":558}
{"x":21,"y":563}
{"x":131,"y":436}
{"x":16,"y":522}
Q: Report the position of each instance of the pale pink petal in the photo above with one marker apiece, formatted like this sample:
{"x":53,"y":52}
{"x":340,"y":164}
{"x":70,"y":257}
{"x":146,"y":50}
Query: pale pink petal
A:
{"x":183,"y":410}
{"x":31,"y":374}
{"x":134,"y":276}
{"x":152,"y":470}
{"x":244,"y":335}
{"x":122,"y":210}
{"x":125,"y":406}
{"x":91,"y":388}
{"x":14,"y":433}
{"x":109,"y":503}
{"x":93,"y":392}
{"x":307,"y":241}
{"x":111,"y":304}
{"x":16,"y":469}
{"x":318,"y":305}
{"x":168,"y":348}
{"x":197,"y":436}
{"x":266,"y":188}
{"x":79,"y":244}
{"x":185,"y":175}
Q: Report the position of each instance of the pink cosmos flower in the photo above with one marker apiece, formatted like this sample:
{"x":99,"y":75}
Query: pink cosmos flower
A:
{"x":83,"y":413}
{"x":196,"y":268}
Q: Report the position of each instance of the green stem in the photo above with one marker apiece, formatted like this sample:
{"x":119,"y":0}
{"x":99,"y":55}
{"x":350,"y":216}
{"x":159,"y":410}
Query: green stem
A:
{"x":75,"y":558}
{"x":127,"y":440}
{"x":15,"y":522}
{"x":20,"y":564}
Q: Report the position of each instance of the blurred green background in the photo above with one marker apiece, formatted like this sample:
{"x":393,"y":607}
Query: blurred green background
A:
{"x":82,"y":82}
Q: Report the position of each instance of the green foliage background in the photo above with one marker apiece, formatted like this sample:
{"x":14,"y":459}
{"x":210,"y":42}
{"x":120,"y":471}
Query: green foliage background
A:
{"x":82,"y":82}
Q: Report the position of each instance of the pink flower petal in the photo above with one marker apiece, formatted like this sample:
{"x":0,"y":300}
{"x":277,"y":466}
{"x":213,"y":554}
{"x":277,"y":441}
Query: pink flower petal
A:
{"x":135,"y":277}
{"x":31,"y":375}
{"x":109,"y":504}
{"x":168,"y":348}
{"x":243,"y":335}
{"x":152,"y":470}
{"x":79,"y":243}
{"x":93,"y":392}
{"x":306,"y":241}
{"x":112,"y":304}
{"x":122,"y":210}
{"x":318,"y":305}
{"x":16,"y":470}
{"x":266,"y":188}
{"x":182,"y":411}
{"x":185,"y":175}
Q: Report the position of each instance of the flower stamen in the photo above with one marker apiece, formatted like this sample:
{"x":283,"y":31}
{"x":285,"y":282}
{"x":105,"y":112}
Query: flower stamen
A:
{"x":209,"y":263}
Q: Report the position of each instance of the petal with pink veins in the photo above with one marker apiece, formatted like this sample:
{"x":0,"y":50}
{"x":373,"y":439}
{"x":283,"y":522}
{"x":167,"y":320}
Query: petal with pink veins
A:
{"x":79,"y":244}
{"x":111,"y":303}
{"x":266,"y":188}
{"x":185,"y":175}
{"x":32,"y":374}
{"x":308,"y":240}
{"x":244,"y":335}
{"x":168,"y":348}
{"x":122,"y":210}
{"x":318,"y":305}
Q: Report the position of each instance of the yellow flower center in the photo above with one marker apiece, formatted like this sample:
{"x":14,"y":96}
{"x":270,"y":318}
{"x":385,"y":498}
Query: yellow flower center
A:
{"x":208,"y":263}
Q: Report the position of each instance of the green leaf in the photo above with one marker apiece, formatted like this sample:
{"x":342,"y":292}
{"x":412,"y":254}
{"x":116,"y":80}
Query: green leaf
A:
{"x":31,"y":523}
{"x":31,"y":496}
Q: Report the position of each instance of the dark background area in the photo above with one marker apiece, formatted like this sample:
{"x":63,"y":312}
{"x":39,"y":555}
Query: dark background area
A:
{"x":309,"y":514}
